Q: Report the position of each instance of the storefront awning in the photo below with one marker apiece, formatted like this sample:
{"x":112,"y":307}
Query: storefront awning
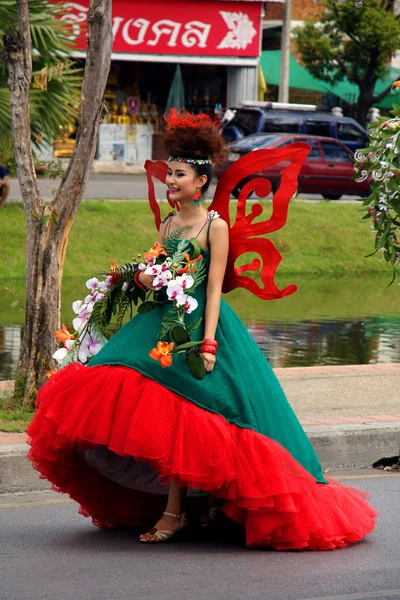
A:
{"x":302,"y":79}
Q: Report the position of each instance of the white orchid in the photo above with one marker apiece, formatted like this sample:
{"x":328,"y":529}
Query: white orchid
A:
{"x":105,"y":285}
{"x":89,"y":346}
{"x":77,"y":306}
{"x":191,"y":305}
{"x":153,"y":270}
{"x":162,"y":279}
{"x":176,"y":292}
{"x":60,"y":354}
{"x":92,"y":284}
{"x":185,"y":281}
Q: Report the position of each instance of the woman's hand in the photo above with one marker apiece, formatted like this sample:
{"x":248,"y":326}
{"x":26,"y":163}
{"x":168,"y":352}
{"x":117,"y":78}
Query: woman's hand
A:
{"x":147,"y":280}
{"x":209,"y":361}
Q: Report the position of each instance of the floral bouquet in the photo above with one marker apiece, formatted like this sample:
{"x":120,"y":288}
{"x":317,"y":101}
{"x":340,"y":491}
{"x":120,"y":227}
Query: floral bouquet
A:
{"x":177,"y":274}
{"x":380,"y":162}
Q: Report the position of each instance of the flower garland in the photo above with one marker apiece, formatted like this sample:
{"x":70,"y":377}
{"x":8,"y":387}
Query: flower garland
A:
{"x":178,"y":269}
{"x":380,"y":162}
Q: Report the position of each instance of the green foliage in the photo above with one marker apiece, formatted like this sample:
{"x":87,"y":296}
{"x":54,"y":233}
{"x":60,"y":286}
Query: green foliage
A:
{"x":195,"y":364}
{"x":381,"y":162}
{"x":55,"y":107}
{"x":350,"y":41}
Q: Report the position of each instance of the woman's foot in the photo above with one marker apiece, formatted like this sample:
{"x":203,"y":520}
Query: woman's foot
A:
{"x":165,"y":528}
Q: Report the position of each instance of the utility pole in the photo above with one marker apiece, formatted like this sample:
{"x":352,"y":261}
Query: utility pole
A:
{"x":285,"y":53}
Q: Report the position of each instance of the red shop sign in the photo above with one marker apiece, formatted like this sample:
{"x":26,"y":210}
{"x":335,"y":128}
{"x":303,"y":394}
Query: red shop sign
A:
{"x":198,"y":27}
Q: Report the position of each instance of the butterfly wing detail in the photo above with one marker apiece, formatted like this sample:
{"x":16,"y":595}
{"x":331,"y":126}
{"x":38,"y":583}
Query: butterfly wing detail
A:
{"x":157,"y":169}
{"x":243,"y":237}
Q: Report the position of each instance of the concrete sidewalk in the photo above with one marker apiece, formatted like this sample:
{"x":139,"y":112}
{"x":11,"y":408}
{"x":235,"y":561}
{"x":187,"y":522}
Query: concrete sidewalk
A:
{"x":350,"y":413}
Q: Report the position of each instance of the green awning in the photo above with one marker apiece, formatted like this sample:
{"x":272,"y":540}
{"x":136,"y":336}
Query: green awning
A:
{"x":300,"y":78}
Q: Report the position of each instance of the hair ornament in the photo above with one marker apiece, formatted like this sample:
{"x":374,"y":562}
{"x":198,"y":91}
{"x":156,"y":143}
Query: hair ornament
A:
{"x":191,"y":161}
{"x":182,"y":119}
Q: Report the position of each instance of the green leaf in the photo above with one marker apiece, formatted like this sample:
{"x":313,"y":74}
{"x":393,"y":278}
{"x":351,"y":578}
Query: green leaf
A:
{"x":195,"y":364}
{"x":186,"y":346}
{"x":196,"y":248}
{"x":193,"y":326}
{"x":179,"y":335}
{"x":14,"y":303}
{"x":148,"y":306}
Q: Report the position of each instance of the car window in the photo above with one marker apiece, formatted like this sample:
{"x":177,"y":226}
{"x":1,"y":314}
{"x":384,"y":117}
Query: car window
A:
{"x":285,"y":143}
{"x":274,"y":124}
{"x":252,"y":142}
{"x":334,"y":153}
{"x":350,"y":132}
{"x":318,"y":127}
{"x":314,"y":152}
{"x":246,"y":120}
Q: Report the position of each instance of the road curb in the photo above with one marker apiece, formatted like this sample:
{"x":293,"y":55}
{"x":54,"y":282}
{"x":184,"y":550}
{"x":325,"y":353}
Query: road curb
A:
{"x":338,"y":446}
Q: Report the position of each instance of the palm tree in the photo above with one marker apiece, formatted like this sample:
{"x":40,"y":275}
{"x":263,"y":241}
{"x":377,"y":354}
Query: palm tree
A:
{"x":55,"y":107}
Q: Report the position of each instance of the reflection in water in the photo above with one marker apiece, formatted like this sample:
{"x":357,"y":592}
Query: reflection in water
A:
{"x":298,"y":344}
{"x":329,"y":342}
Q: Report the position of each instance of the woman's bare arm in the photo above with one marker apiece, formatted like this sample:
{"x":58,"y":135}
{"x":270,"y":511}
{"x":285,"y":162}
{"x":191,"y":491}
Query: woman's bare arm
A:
{"x":219,"y":247}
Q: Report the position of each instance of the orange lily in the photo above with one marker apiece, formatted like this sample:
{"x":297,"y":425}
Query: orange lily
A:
{"x":63,"y":334}
{"x":51,"y":373}
{"x":155,"y":251}
{"x":190,"y":263}
{"x":162,"y":353}
{"x":395,"y":85}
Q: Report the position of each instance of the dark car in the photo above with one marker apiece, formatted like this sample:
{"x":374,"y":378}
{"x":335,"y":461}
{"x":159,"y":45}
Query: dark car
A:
{"x":256,"y":119}
{"x":328,"y":169}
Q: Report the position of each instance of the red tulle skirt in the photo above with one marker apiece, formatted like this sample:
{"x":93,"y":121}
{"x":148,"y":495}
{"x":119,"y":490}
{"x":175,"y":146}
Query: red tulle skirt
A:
{"x":276,"y":500}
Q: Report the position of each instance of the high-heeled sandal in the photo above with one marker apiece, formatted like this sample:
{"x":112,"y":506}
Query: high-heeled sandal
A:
{"x":162,"y":535}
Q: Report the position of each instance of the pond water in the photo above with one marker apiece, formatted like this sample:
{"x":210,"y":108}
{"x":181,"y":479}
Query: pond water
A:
{"x":327,"y":322}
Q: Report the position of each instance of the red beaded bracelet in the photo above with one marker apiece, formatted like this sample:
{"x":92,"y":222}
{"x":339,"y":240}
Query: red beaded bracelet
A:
{"x":138,"y":282}
{"x":208,"y":349}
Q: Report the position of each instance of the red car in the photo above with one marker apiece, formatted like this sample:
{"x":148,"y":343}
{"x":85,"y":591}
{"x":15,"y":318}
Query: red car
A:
{"x":328,"y":170}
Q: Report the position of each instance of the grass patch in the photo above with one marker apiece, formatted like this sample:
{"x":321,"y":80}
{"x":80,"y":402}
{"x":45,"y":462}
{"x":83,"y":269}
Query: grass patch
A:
{"x":321,"y":238}
{"x":14,"y":421}
{"x":14,"y":418}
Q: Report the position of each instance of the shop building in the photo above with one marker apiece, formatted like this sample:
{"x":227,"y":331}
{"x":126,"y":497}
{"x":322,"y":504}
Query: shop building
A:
{"x":217,"y":43}
{"x":214,"y":44}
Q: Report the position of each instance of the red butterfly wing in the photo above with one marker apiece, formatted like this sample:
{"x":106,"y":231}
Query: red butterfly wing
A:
{"x":242,"y":235}
{"x":159,"y":170}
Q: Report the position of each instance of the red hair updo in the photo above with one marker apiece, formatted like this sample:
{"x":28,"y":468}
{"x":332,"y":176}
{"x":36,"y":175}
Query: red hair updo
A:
{"x":193,"y":136}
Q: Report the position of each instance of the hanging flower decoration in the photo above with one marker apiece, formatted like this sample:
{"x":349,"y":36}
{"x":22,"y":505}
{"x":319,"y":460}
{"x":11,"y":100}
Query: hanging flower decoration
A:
{"x":178,"y":269}
{"x":380,"y":162}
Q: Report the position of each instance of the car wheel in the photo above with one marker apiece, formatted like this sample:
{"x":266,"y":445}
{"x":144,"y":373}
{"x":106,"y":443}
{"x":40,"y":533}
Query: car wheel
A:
{"x":331,"y":196}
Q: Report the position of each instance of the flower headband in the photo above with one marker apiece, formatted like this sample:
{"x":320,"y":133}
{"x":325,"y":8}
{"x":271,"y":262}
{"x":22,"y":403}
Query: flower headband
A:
{"x":192,"y":161}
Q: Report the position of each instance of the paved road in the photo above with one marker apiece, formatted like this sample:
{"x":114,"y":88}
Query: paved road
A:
{"x":124,"y":187}
{"x":48,"y":551}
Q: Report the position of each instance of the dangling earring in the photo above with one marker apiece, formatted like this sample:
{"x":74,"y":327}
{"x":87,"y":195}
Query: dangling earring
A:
{"x":197,"y":198}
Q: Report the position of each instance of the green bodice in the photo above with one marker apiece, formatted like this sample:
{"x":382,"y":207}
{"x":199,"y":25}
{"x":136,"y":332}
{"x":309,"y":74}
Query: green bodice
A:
{"x":242,"y":387}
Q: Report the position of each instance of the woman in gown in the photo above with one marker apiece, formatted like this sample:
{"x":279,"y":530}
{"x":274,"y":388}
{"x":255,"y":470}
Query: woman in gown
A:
{"x":132,"y":442}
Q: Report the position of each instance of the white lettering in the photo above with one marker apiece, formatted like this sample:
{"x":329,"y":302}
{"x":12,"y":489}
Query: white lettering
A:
{"x":141,"y":24}
{"x":169,"y":28}
{"x":115,"y":25}
{"x":196,"y":32}
{"x":75,"y":19}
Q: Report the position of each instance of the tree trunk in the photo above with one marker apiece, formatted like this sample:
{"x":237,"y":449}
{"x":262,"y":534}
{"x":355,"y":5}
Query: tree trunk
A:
{"x":48,"y":225}
{"x":362,"y":108}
